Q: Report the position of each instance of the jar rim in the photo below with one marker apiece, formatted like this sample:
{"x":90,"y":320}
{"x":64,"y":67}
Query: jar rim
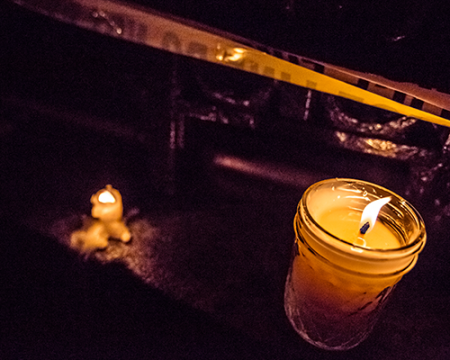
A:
{"x":409,"y":248}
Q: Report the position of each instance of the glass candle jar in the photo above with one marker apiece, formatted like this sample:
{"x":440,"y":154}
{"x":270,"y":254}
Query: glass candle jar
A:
{"x":339,"y":280}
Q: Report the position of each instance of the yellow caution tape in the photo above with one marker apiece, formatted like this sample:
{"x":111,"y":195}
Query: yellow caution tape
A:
{"x":179,"y":36}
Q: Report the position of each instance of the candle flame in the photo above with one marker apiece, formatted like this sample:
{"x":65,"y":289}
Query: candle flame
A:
{"x":370,"y":214}
{"x":106,"y":198}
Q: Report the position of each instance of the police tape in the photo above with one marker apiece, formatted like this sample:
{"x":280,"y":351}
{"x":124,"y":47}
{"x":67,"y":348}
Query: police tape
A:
{"x":144,"y":26}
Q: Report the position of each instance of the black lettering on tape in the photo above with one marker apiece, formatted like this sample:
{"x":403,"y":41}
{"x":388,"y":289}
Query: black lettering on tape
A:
{"x":319,"y":68}
{"x":119,"y":23}
{"x":278,"y":54}
{"x":308,"y":64}
{"x":311,"y":84}
{"x":197,"y":50}
{"x":417,"y":103}
{"x":293,"y":59}
{"x":171,"y":42}
{"x":269,"y":71}
{"x":363,"y":84}
{"x":131,"y":29}
{"x":141,"y":33}
{"x":399,"y":97}
{"x":445,"y":114}
{"x":253,"y":66}
{"x":285,"y":77}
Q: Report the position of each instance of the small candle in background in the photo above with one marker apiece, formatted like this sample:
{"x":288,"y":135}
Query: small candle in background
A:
{"x":107,"y":211}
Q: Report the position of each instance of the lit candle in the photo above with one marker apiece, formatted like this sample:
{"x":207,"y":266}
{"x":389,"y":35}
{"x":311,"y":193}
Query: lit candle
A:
{"x":107,"y":210}
{"x":107,"y":205}
{"x":361,"y":229}
{"x":355,"y":241}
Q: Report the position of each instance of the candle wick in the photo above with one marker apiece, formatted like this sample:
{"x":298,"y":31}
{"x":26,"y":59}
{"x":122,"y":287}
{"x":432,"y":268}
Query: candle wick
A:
{"x":364,"y":228}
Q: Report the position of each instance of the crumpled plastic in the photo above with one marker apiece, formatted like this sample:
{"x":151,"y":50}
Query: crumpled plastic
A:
{"x":223,"y":95}
{"x":228,"y":97}
{"x":425,"y":147}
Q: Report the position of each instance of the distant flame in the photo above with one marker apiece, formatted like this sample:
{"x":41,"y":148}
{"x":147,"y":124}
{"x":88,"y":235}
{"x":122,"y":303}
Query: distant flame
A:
{"x":227,"y":54}
{"x":106,"y":198}
{"x":370,"y":214}
{"x":237,"y":55}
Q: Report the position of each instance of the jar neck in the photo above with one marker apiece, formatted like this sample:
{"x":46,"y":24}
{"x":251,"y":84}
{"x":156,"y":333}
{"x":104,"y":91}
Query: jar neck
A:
{"x":351,"y":259}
